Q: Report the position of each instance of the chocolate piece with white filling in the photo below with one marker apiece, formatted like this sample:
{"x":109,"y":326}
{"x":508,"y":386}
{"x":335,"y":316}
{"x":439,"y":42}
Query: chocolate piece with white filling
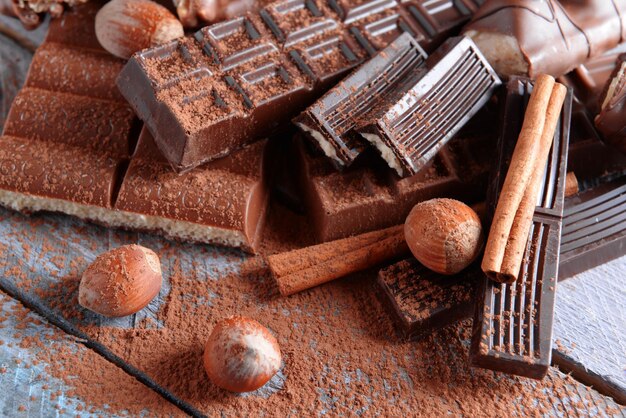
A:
{"x":532,"y":37}
{"x":429,"y":106}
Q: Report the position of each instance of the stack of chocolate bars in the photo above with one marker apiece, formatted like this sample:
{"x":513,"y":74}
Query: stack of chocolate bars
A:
{"x":393,"y":106}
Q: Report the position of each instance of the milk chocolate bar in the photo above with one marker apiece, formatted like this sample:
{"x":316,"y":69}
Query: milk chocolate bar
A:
{"x":594,"y":228}
{"x":369,"y":195}
{"x":236,"y":81}
{"x":422,"y":301}
{"x":611,"y":122}
{"x":410,"y":125}
{"x":69,"y":146}
{"x":531,"y":37}
{"x":330,"y":120}
{"x":512,"y":329}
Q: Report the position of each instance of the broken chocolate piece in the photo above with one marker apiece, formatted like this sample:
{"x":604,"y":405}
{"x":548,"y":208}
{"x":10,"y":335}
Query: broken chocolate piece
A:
{"x":532,"y":37}
{"x":330,"y":120}
{"x":239,"y":80}
{"x":411,"y":125}
{"x":594,"y":228}
{"x":422,"y":301}
{"x":611,"y":122}
{"x":513,"y":322}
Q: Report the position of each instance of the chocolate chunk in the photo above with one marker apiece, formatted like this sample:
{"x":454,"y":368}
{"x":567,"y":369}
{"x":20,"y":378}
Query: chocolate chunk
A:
{"x":422,"y":301}
{"x":594,"y":228}
{"x":238,"y":80}
{"x":532,"y":37}
{"x":67,"y":144}
{"x":330,"y":120}
{"x":429,"y":106}
{"x":369,"y":195}
{"x":513,"y":322}
{"x":611,"y":122}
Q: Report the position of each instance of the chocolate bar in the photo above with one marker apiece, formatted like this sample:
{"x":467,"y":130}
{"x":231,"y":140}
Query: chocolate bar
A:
{"x":422,"y":301}
{"x":532,"y":37}
{"x":330,"y":120}
{"x":69,"y":146}
{"x":611,"y":122}
{"x":369,"y":195}
{"x":236,"y":81}
{"x":512,"y":329}
{"x":410,"y":125}
{"x":594,"y":228}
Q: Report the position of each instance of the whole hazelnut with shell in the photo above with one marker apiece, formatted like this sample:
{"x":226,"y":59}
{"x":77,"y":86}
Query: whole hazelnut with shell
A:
{"x":445,"y":235}
{"x":241,"y":355}
{"x":121,"y":281}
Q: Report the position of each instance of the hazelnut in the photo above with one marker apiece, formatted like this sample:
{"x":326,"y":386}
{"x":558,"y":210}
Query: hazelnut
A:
{"x":444,"y":235}
{"x":124,"y":27}
{"x":121,"y":282}
{"x":241,"y":355}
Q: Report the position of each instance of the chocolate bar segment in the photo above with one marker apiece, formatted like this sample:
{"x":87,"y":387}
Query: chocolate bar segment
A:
{"x":429,"y":107}
{"x":532,"y":37}
{"x":330,"y":120}
{"x":594,"y":228}
{"x":239,"y":80}
{"x":611,"y":122}
{"x":422,"y":301}
{"x":512,"y":329}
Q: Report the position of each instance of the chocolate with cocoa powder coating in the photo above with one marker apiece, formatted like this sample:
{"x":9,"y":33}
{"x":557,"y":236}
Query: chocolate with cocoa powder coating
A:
{"x":512,"y":329}
{"x":238,"y":80}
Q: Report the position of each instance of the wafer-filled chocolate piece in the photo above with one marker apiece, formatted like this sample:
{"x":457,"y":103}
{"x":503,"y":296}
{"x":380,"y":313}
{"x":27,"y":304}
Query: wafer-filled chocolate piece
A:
{"x":330,"y":120}
{"x":69,"y":137}
{"x":611,"y":122}
{"x":238,"y":80}
{"x":512,"y":329}
{"x":422,"y":301}
{"x":532,"y":37}
{"x":594,"y":228}
{"x":430,"y":106}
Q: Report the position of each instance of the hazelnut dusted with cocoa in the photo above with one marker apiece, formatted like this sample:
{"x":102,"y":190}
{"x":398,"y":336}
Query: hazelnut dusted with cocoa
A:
{"x":444,"y":235}
{"x":121,"y":281}
{"x":124,"y":27}
{"x":241,"y":355}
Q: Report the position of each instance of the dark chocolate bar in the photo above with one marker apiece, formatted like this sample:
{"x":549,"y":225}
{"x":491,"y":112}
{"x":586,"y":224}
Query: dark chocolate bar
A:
{"x":330,"y":120}
{"x":69,"y":146}
{"x":430,"y":106}
{"x":611,"y":121}
{"x":512,"y":329}
{"x":238,"y":80}
{"x":594,"y":228}
{"x":422,"y":301}
{"x":369,"y":195}
{"x":532,"y":37}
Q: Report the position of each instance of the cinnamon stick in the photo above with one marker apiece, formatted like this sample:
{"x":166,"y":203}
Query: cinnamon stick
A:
{"x":303,"y":269}
{"x":518,"y":237}
{"x":518,"y":175}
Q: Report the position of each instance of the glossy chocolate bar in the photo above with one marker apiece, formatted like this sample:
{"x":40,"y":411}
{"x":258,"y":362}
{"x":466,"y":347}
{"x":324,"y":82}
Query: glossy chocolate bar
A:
{"x":330,"y":120}
{"x":238,"y":80}
{"x":422,"y":301}
{"x":512,"y":329}
{"x":611,"y":121}
{"x":410,"y":125}
{"x":69,"y":146}
{"x":369,"y":195}
{"x":594,"y":228}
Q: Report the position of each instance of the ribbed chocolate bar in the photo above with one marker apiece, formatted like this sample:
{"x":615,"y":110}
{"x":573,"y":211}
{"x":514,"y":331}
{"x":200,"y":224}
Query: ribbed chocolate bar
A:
{"x":330,"y":120}
{"x":512,"y":329}
{"x":594,"y":228}
{"x":238,"y":80}
{"x":422,"y":301}
{"x":69,"y":146}
{"x":429,"y":107}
